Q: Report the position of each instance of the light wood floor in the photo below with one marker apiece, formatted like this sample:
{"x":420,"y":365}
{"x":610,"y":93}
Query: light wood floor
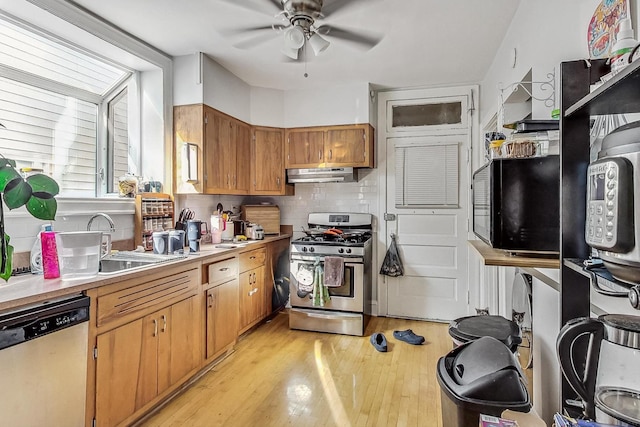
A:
{"x":279,"y":377}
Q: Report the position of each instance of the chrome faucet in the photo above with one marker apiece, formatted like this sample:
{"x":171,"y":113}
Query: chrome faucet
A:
{"x":105,"y":244}
{"x":105,"y":216}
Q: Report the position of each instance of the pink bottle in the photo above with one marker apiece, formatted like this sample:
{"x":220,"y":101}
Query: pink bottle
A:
{"x":50,"y":265}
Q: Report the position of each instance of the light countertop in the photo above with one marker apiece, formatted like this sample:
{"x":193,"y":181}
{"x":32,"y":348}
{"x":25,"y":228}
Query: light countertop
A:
{"x":31,"y":289}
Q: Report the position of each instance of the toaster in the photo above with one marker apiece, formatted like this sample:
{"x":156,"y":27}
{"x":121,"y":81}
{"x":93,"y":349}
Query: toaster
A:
{"x":254,"y":232}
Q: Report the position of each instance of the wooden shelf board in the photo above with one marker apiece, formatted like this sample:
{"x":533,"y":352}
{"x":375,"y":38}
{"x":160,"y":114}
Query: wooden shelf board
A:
{"x":496,"y":257}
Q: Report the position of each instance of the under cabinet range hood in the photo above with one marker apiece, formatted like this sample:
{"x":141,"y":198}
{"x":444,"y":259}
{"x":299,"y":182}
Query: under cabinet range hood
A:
{"x":322,"y":175}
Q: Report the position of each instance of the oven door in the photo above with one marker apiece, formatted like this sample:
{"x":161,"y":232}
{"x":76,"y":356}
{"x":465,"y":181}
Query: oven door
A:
{"x":348,"y":297}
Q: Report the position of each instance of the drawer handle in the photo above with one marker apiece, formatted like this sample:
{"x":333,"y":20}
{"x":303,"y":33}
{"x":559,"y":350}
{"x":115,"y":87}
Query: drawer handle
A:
{"x":155,"y":328}
{"x":210,"y":300}
{"x":252,"y":257}
{"x":164,"y":323}
{"x":224,"y":269}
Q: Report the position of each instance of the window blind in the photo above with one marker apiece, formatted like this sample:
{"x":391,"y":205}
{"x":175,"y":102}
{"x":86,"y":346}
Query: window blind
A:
{"x":50,"y":131}
{"x":427,"y":176}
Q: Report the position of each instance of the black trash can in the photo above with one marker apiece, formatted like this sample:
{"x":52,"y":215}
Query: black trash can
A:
{"x":471,"y":328}
{"x":480,"y":377}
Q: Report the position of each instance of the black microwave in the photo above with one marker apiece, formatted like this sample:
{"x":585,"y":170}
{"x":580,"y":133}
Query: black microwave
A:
{"x":516,"y":204}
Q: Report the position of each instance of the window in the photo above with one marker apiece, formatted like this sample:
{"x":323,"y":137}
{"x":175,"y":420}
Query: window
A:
{"x":65,"y":111}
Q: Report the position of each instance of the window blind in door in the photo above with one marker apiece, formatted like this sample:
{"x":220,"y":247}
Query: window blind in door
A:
{"x":427,"y":176}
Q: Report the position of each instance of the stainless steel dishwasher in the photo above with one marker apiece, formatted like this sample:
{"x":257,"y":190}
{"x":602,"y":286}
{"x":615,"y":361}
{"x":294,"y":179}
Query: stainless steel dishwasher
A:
{"x":43,"y":363}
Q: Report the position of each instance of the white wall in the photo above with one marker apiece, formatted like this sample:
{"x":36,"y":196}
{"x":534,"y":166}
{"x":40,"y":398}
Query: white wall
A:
{"x":544,"y":33}
{"x":152,"y":125}
{"x":267,"y":107}
{"x":187,"y":80}
{"x":338,"y":105}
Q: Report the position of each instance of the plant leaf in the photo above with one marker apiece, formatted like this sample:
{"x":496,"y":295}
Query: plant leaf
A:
{"x":41,"y":183}
{"x":7,"y":173}
{"x":6,"y":273}
{"x":17,"y":193}
{"x":42,"y":207}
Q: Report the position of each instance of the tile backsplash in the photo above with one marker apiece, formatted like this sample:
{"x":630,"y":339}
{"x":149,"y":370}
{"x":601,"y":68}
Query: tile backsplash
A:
{"x":361,"y":197}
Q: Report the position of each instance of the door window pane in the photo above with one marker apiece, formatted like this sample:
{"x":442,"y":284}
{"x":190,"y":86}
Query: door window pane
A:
{"x":436,"y":114}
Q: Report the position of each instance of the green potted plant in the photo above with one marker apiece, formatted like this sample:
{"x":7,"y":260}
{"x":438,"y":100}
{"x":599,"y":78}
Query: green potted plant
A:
{"x":36,"y":192}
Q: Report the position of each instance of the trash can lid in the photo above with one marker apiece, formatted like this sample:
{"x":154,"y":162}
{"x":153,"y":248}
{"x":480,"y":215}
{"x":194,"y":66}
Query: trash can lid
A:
{"x":483,"y":373}
{"x":473,"y":327}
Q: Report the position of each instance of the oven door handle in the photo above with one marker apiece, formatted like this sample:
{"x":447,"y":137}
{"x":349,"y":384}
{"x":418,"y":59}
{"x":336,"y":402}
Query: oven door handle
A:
{"x":321,"y":316}
{"x":351,"y":261}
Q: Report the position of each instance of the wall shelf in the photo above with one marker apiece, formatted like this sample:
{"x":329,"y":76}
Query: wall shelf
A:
{"x":495,"y":257}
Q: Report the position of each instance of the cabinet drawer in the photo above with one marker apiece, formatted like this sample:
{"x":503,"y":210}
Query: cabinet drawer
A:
{"x":223,"y":271}
{"x":146,"y":296}
{"x":252,"y":259}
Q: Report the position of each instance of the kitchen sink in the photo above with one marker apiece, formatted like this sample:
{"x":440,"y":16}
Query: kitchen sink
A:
{"x":124,"y":261}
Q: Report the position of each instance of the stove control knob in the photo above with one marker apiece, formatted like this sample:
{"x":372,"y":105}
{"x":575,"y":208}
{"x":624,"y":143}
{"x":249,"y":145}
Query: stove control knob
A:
{"x":304,"y":249}
{"x":634,"y":297}
{"x":340,"y":250}
{"x":348,"y":251}
{"x":311,"y":249}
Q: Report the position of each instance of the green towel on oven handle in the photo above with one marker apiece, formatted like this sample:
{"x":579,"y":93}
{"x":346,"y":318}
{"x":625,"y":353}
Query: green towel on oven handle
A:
{"x":320,"y":292}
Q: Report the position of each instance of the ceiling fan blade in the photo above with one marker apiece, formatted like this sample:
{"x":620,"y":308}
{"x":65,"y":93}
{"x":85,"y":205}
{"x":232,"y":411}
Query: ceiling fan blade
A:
{"x":270,"y":7}
{"x":260,"y":28}
{"x":330,"y":7}
{"x":367,"y":40}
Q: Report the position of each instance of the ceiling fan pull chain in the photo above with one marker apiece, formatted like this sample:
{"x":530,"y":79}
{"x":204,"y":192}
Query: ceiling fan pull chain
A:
{"x":304,"y":52}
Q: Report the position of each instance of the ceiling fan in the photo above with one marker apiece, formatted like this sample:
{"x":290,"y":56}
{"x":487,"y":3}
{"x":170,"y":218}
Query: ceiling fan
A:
{"x":300,"y":26}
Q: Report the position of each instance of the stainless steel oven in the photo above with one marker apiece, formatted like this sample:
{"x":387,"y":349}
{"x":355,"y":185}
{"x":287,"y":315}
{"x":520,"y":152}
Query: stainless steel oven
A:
{"x":347,"y":236}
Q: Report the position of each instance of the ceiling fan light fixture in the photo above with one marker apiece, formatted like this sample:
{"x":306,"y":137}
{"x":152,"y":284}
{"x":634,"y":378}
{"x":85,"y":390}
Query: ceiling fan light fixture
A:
{"x":291,"y":53}
{"x":318,"y":43}
{"x":294,"y":38}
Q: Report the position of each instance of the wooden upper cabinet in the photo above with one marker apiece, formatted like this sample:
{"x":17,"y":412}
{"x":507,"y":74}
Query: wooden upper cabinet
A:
{"x":267,"y":154}
{"x":347,"y":146}
{"x":188,"y":127}
{"x":226,"y":148}
{"x":305,"y":148}
{"x":330,"y":146}
{"x":243,"y":158}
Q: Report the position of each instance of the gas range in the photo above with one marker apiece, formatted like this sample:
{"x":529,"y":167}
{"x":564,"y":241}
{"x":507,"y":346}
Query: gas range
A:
{"x":331,"y":235}
{"x":335,"y":234}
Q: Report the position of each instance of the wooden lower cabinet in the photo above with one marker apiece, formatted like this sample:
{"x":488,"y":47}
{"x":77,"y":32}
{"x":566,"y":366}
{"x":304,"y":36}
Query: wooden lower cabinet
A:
{"x":251,"y":297}
{"x":222,"y":318}
{"x":252,"y":282}
{"x":140,"y":360}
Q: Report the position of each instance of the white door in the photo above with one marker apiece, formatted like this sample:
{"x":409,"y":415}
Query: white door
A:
{"x":427,"y":182}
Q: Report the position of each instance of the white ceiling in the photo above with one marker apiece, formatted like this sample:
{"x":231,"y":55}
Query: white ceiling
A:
{"x":426,"y":42}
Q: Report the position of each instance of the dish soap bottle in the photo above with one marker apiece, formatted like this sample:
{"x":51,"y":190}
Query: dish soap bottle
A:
{"x":36,"y":251}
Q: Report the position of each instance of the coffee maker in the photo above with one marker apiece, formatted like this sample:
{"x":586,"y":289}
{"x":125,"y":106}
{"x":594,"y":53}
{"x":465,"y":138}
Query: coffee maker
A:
{"x":194,"y":233}
{"x":610,"y":385}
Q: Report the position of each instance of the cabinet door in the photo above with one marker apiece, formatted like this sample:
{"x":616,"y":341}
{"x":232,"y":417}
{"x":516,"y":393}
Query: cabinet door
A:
{"x":188,"y":127}
{"x":243,"y":157}
{"x":251,"y":297}
{"x":219,"y":158}
{"x":222,"y":317}
{"x":179,"y":347}
{"x":346,"y":146}
{"x":126,"y":370}
{"x":304,"y":148}
{"x":268,"y":161}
